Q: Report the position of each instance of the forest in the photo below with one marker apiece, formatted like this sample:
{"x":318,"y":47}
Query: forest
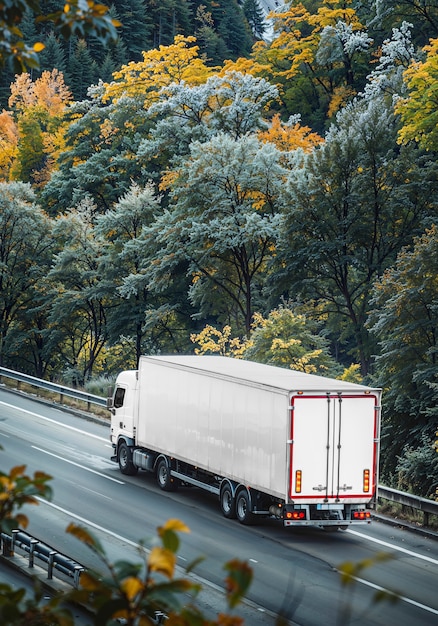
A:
{"x":196,"y":186}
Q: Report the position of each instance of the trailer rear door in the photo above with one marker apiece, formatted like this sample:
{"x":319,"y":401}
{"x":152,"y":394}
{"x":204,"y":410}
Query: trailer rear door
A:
{"x":333,"y":448}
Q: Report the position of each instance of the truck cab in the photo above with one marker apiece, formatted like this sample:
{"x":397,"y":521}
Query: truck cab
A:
{"x":123,"y":406}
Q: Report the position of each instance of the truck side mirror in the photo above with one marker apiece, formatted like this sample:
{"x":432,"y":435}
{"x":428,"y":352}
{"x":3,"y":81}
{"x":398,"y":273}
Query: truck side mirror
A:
{"x":109,"y":396}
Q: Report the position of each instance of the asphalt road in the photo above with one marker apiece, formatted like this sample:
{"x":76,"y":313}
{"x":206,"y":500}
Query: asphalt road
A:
{"x":294,"y":570}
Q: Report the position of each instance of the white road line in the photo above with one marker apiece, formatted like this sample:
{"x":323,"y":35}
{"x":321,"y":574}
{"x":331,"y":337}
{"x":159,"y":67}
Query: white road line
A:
{"x":96,"y":493}
{"x":367,"y":583}
{"x":393,"y":547}
{"x":200,"y":579}
{"x":88,"y":522}
{"x":206,"y":582}
{"x":87,"y":469}
{"x":52,"y":421}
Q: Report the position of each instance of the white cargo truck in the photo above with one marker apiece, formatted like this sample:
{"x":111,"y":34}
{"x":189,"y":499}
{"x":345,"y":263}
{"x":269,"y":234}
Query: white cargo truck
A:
{"x":267,"y":441}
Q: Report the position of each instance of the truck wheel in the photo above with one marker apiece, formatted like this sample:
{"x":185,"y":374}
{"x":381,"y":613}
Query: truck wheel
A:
{"x":164,"y":479}
{"x":228,"y":504}
{"x":243,"y":508}
{"x":125,"y":460}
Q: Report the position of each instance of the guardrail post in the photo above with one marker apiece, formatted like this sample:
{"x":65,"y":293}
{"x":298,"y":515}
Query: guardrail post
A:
{"x":76,"y":575}
{"x":50,"y":564}
{"x":33,"y":543}
{"x":6,"y":545}
{"x":14,"y":536}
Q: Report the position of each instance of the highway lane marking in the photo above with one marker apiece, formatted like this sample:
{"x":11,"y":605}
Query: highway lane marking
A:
{"x":358,"y":534}
{"x":87,"y":469}
{"x":212,"y":585}
{"x":89,"y":523}
{"x":200,"y":579}
{"x":367,"y":583}
{"x":429,"y":559}
{"x":96,"y":493}
{"x":52,"y":421}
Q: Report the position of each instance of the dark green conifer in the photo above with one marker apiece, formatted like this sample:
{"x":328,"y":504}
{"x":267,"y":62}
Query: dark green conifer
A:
{"x":82,"y":71}
{"x":53,"y":55}
{"x":232,"y":26}
{"x":107,"y":68}
{"x":137,"y":26}
{"x":255,"y":17}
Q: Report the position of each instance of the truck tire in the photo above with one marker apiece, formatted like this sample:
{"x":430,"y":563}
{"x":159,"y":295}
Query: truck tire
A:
{"x":125,"y":460}
{"x":228,"y":504}
{"x":243,"y":508}
{"x":164,"y":479}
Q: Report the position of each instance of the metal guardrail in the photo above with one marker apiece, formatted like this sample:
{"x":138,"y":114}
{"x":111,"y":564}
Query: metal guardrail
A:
{"x":55,"y":561}
{"x":49,"y":386}
{"x":428,"y":507}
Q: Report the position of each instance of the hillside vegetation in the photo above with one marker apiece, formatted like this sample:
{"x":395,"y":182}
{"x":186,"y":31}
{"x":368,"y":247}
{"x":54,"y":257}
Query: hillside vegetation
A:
{"x":193,"y":186}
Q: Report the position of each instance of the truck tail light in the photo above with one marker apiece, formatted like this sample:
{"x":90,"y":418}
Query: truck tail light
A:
{"x":298,"y":476}
{"x":366,"y":481}
{"x":295,"y":515}
{"x":361,"y":514}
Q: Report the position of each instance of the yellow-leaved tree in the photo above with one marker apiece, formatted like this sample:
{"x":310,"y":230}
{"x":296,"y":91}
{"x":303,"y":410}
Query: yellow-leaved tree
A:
{"x":315,"y":51}
{"x":298,"y":33}
{"x":419,"y":110}
{"x":37,"y":108}
{"x":8,"y":144}
{"x":290,"y":135}
{"x":211,"y":340}
{"x":245,"y":66}
{"x":160,"y":67}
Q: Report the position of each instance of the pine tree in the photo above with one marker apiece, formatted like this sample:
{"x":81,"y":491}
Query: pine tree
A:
{"x":211,"y":45}
{"x":169,"y":18}
{"x":82,"y":71}
{"x":119,"y":53}
{"x":28,"y":28}
{"x":236,"y":32}
{"x":255,"y":17}
{"x":232,"y":26}
{"x":6,"y":78}
{"x":137,"y":26}
{"x":53,"y":55}
{"x":107,"y":68}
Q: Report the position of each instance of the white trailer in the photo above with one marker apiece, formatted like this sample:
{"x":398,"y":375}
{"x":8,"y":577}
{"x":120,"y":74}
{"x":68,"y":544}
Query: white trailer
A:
{"x":268,"y":441}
